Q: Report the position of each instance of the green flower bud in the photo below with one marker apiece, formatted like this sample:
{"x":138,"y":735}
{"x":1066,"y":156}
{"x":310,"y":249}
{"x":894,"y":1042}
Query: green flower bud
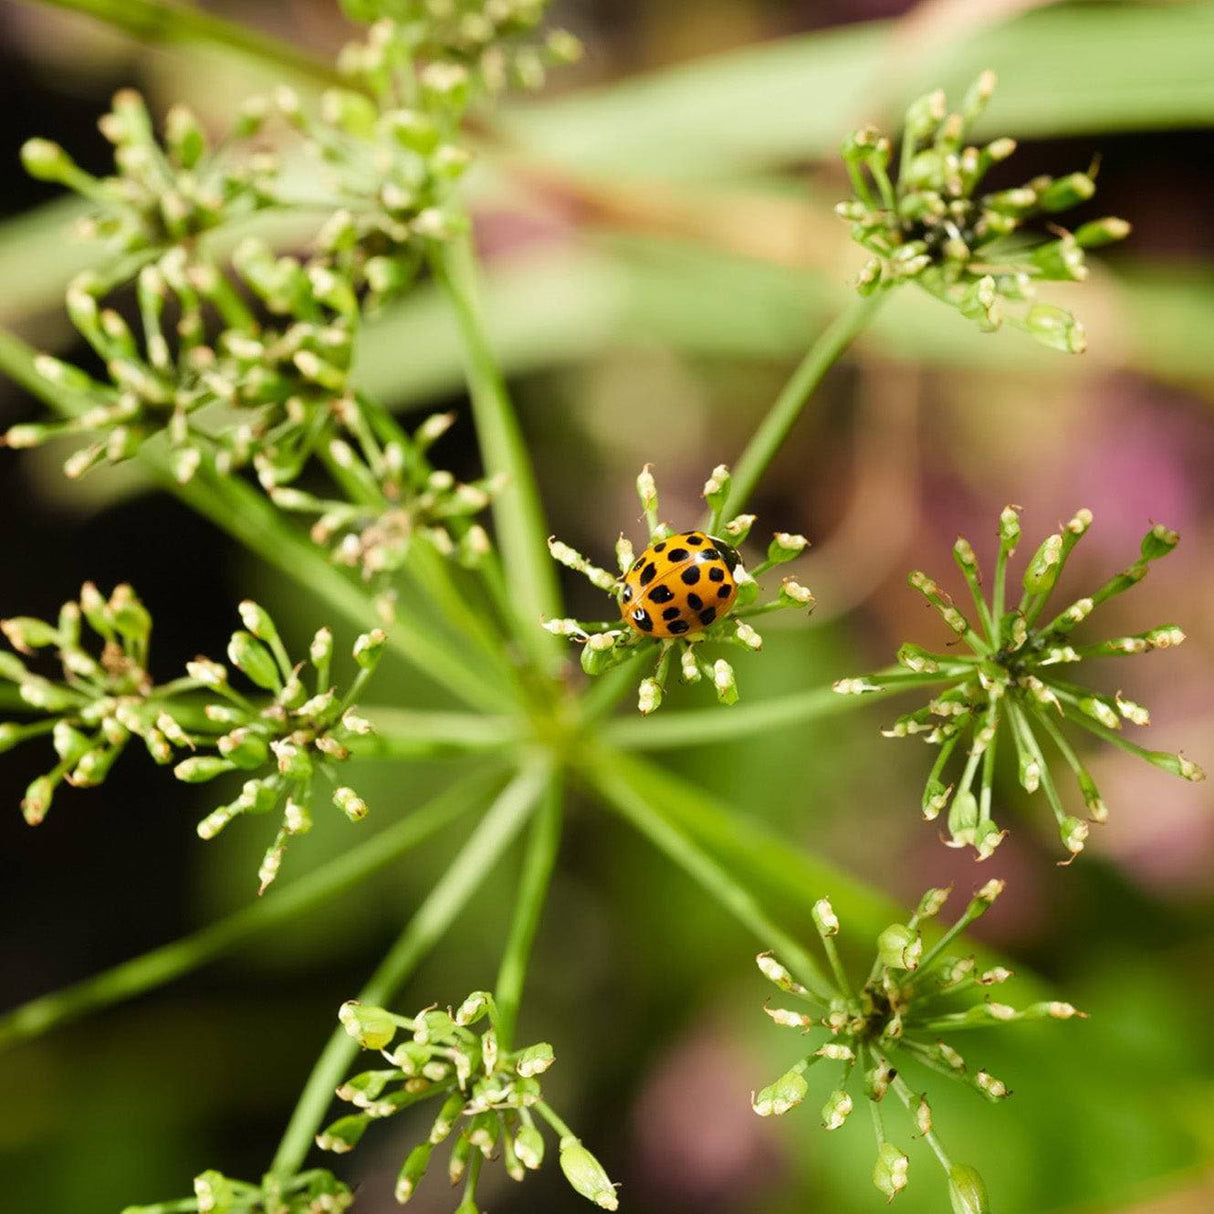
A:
{"x":25,"y":634}
{"x":1042,"y":570}
{"x":724,"y":682}
{"x":966,"y":1190}
{"x":343,"y":1134}
{"x":1056,"y":328}
{"x":369,"y":648}
{"x":214,"y":1193}
{"x":535,"y":1059}
{"x":350,"y":803}
{"x":1066,"y":192}
{"x":412,"y":1170}
{"x":529,"y":1146}
{"x":824,"y":917}
{"x":932,"y":902}
{"x":70,"y":744}
{"x":1101,"y":232}
{"x":1159,"y":541}
{"x":877,"y":1081}
{"x":251,"y":657}
{"x":244,"y":748}
{"x":716,"y":488}
{"x":1074,"y":833}
{"x":257,"y":620}
{"x":777,"y":1098}
{"x":586,"y":1175}
{"x":372,"y":1027}
{"x":183,"y":133}
{"x":649,"y":696}
{"x":197,"y":769}
{"x":900,"y":947}
{"x":836,"y":1110}
{"x":889,"y":1172}
{"x":37,"y":799}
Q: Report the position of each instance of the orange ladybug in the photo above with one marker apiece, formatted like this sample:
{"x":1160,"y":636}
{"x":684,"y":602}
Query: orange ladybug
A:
{"x":680,"y":584}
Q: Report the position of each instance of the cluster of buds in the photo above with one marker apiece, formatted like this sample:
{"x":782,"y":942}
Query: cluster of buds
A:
{"x":393,"y":170}
{"x":609,"y":644}
{"x":913,"y":997}
{"x":1011,"y":676}
{"x":969,"y":249}
{"x":490,"y":1098}
{"x":98,"y":701}
{"x":234,"y":388}
{"x":299,"y":730}
{"x":159,"y":195}
{"x":315,"y":1191}
{"x":492,"y":44}
{"x":392,"y":494}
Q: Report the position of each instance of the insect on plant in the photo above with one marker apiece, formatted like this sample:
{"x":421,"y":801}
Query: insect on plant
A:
{"x":234,"y":382}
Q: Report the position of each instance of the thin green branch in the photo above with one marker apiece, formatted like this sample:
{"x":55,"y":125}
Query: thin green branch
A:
{"x":164,"y":964}
{"x":538,"y":863}
{"x":454,"y":888}
{"x":517,"y":509}
{"x":767,"y":440}
{"x":402,"y":733}
{"x":159,"y":21}
{"x":708,"y":726}
{"x":617,"y":784}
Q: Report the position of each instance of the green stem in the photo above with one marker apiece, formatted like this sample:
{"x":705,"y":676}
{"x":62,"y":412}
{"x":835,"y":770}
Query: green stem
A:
{"x":159,"y":21}
{"x":631,"y":797}
{"x":707,"y":726}
{"x":773,"y":430}
{"x":538,"y":863}
{"x":162,"y":965}
{"x":517,"y":510}
{"x":453,"y":889}
{"x":406,"y":732}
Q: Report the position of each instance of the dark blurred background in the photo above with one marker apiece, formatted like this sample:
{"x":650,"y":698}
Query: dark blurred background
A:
{"x":660,"y":249}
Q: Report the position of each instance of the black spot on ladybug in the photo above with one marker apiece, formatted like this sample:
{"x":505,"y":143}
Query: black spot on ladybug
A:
{"x":690,"y":576}
{"x":660,"y":547}
{"x":723,"y":592}
{"x":694,"y":540}
{"x":638,"y":563}
{"x":678,"y":627}
{"x":679,"y":555}
{"x":643,"y":622}
{"x":648,"y":573}
{"x":708,"y":615}
{"x":627,"y":596}
{"x":661,"y":594}
{"x":695,"y":602}
{"x":716,"y":574}
{"x":671,"y":613}
{"x":709,"y":554}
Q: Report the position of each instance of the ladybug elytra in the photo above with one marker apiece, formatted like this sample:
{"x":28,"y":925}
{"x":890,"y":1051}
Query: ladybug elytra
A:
{"x":680,"y":584}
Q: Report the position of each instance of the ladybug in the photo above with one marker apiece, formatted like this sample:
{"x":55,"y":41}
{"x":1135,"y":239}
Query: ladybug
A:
{"x":679,"y":585}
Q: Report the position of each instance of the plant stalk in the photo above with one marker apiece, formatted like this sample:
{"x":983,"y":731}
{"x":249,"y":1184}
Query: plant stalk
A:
{"x":448,"y":897}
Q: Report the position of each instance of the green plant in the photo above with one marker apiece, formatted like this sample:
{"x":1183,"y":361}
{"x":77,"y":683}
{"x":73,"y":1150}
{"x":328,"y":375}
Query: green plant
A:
{"x":249,"y":365}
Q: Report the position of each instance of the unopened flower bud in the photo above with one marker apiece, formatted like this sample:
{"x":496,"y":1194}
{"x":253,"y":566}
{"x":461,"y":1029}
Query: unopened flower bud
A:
{"x":966,"y":1190}
{"x":586,"y":1175}
{"x":889,"y":1172}
{"x":777,"y":1098}
{"x":372,"y":1027}
{"x":350,"y":803}
{"x":369,"y":647}
{"x":836,"y":1110}
{"x":900,"y":947}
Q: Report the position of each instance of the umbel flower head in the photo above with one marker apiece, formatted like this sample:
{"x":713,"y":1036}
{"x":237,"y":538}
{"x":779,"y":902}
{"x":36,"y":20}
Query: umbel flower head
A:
{"x":101,"y":701}
{"x":315,"y":1191}
{"x":685,"y":590}
{"x":300,"y":732}
{"x":934,"y":224}
{"x":494,"y":43}
{"x":162,"y":195}
{"x":98,"y":701}
{"x":489,"y":1098}
{"x":1012,"y":682}
{"x":914,"y":997}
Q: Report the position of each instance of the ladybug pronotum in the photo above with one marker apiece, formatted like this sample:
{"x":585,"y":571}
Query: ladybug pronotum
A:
{"x":679,"y":585}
